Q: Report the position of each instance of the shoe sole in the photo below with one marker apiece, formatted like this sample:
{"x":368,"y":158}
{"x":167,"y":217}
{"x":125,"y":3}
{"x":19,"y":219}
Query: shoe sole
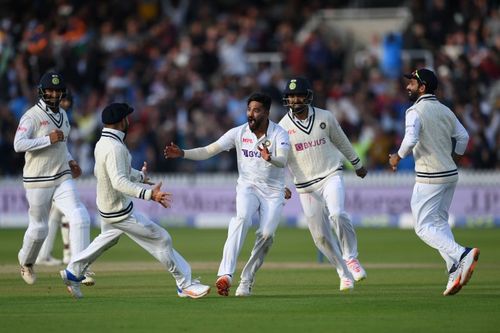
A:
{"x":88,"y":283}
{"x":182,"y":295}
{"x":360,"y":278}
{"x":223,"y":286}
{"x":455,"y":288}
{"x":471,"y":268}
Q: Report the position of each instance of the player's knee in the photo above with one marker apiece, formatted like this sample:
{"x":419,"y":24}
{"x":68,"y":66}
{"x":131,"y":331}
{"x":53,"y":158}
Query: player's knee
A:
{"x":40,"y":231}
{"x":166,"y":238}
{"x":79,"y":217}
{"x":320,"y":241}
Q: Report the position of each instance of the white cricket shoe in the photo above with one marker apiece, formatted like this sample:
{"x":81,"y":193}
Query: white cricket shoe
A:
{"x":244,"y":289}
{"x":195,"y":290}
{"x":223,"y":284}
{"x":49,"y":261}
{"x":28,"y":274}
{"x":468,"y":262}
{"x":89,"y":279}
{"x":72,"y":283}
{"x":356,"y":269}
{"x":453,"y":286}
{"x":346,"y":284}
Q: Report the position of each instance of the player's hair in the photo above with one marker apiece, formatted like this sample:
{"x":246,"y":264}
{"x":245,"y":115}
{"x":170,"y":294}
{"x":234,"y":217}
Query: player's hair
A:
{"x":262,"y":98}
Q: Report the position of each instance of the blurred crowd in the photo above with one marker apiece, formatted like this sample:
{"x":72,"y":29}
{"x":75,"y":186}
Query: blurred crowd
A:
{"x":183,"y":66}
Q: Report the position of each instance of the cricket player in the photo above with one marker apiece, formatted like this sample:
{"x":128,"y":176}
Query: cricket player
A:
{"x":261,"y":148}
{"x":116,"y":185}
{"x":48,"y":173}
{"x":318,"y":147}
{"x":430,"y":130}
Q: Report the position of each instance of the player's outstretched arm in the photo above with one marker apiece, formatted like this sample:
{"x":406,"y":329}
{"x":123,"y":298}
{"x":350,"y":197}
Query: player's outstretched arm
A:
{"x":163,"y":198}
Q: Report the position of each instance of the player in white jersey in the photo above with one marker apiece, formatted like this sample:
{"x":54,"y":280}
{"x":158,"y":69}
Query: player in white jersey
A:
{"x":261,"y":148}
{"x":57,"y":220}
{"x":318,"y":145}
{"x":117,"y":183}
{"x":48,"y":172}
{"x":430,"y":130}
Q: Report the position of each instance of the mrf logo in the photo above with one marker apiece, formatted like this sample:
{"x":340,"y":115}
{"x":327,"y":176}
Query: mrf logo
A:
{"x":44,"y":123}
{"x":247,"y":140}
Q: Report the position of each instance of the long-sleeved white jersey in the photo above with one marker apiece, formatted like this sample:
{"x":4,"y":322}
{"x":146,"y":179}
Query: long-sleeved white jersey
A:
{"x":318,"y":146}
{"x":252,"y":168}
{"x":116,"y":179}
{"x":46,"y":164}
{"x":430,"y":128}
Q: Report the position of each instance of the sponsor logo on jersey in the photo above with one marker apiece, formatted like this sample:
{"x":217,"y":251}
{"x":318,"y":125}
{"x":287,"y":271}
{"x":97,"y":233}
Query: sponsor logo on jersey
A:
{"x":309,"y":144}
{"x":250,"y":153}
{"x":291,"y":131}
{"x":22,"y":129}
{"x":44,"y":123}
{"x":247,"y":140}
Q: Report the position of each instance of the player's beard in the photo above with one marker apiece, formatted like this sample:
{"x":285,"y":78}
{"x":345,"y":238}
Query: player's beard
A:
{"x":413,"y":95}
{"x":255,"y":123}
{"x":298,"y":108}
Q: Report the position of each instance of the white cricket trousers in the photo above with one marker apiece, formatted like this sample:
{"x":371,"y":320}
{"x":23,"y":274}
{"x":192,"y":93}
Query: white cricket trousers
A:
{"x":430,"y":204}
{"x":343,"y":244}
{"x":65,"y":197}
{"x":250,"y":200}
{"x":150,"y":236}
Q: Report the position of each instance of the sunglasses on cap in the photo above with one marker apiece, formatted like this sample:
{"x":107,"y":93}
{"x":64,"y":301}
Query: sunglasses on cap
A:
{"x":415,"y":75}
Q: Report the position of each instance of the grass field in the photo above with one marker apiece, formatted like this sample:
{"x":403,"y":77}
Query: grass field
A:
{"x":293,"y":292}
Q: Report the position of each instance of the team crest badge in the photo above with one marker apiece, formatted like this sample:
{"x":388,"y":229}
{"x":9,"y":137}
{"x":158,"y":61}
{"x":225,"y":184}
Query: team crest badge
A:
{"x":267,"y":143}
{"x":292,"y":85}
{"x":322,"y":125}
{"x":55,"y":80}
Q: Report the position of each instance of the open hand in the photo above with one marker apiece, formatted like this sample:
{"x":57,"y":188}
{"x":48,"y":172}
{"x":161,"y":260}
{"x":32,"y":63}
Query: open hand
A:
{"x":163,"y":198}
{"x":173,"y":151}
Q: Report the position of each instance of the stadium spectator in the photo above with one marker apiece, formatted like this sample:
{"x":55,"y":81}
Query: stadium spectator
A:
{"x":170,"y":55}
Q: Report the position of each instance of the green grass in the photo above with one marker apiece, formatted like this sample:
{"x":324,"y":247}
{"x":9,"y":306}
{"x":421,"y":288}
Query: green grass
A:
{"x":392,"y":299}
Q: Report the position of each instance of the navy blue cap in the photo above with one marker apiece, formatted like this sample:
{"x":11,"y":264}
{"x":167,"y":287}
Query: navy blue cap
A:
{"x":115,"y":112}
{"x":52,"y":80}
{"x":297,"y":86}
{"x":424,"y":76}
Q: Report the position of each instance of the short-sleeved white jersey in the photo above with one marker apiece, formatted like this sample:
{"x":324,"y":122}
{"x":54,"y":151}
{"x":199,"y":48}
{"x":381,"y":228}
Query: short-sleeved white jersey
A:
{"x":253,"y":169}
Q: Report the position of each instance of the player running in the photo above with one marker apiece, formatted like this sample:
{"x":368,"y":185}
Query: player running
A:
{"x":431,"y":128}
{"x":261,"y":148}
